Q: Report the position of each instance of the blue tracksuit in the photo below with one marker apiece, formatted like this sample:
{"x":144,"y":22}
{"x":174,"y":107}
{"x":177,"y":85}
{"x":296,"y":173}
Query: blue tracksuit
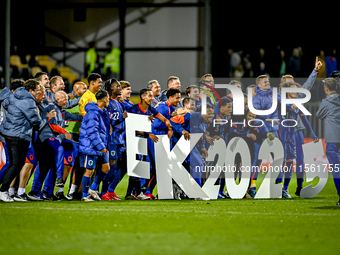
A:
{"x":22,"y":115}
{"x":5,"y":93}
{"x":330,"y":111}
{"x":50,"y":139}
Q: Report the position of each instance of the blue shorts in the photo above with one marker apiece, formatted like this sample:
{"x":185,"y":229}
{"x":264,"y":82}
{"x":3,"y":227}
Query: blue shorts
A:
{"x":71,"y":152}
{"x":113,"y":154}
{"x":289,"y":149}
{"x":30,"y":158}
{"x":116,"y":151}
{"x":91,"y":161}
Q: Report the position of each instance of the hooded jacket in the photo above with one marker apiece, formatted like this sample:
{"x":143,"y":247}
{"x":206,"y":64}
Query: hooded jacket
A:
{"x":94,"y":131}
{"x":330,"y":110}
{"x":4,"y":94}
{"x":22,"y":115}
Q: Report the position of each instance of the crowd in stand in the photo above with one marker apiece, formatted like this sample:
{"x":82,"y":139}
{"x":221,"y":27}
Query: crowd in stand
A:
{"x":278,"y":63}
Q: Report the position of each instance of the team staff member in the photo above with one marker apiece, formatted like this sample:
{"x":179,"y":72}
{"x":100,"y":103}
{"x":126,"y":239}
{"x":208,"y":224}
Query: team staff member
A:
{"x":173,"y":82}
{"x":156,"y":91}
{"x":330,"y":110}
{"x":31,"y":161}
{"x":17,"y":128}
{"x":4,"y":96}
{"x":51,"y":138}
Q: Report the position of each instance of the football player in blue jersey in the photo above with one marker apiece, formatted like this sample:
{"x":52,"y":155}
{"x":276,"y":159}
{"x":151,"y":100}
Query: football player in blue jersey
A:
{"x":117,"y":141}
{"x":287,"y":134}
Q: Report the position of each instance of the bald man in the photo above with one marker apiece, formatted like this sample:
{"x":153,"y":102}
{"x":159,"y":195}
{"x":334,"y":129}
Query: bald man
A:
{"x":51,"y":147}
{"x":79,"y":88}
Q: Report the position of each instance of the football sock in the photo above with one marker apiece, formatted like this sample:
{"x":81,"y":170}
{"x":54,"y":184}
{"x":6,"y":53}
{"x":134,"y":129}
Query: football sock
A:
{"x":21,"y":191}
{"x":116,"y":179}
{"x":288,"y":174}
{"x":99,"y":177}
{"x":108,"y":179}
{"x":151,"y":185}
{"x":73,"y":188}
{"x":60,"y":189}
{"x":11,"y":191}
{"x":86,"y":184}
{"x":143,"y":182}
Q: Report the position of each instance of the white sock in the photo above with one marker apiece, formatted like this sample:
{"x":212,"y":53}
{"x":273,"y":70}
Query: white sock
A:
{"x":73,"y":188}
{"x":21,"y":191}
{"x":60,"y":189}
{"x":11,"y":191}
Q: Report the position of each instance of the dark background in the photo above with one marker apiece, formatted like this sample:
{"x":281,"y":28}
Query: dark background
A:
{"x":234,"y":25}
{"x":243,"y":26}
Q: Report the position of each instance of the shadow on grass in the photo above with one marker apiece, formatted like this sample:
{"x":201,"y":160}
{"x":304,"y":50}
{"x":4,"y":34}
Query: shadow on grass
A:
{"x":327,"y":207}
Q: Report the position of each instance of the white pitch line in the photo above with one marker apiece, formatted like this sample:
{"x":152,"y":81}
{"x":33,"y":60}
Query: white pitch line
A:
{"x":169,"y":210}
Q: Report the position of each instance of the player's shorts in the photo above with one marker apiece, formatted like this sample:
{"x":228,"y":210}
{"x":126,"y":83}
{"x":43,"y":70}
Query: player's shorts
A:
{"x":91,"y":161}
{"x":71,"y":152}
{"x":113,"y":154}
{"x":30,"y":158}
{"x":116,"y":151}
{"x":289,"y":149}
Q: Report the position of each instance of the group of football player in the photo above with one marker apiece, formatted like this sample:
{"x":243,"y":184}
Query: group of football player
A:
{"x":51,"y":136}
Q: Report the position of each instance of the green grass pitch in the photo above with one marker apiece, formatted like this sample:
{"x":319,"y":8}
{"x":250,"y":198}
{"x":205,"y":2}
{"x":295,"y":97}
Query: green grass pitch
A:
{"x":247,"y":226}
